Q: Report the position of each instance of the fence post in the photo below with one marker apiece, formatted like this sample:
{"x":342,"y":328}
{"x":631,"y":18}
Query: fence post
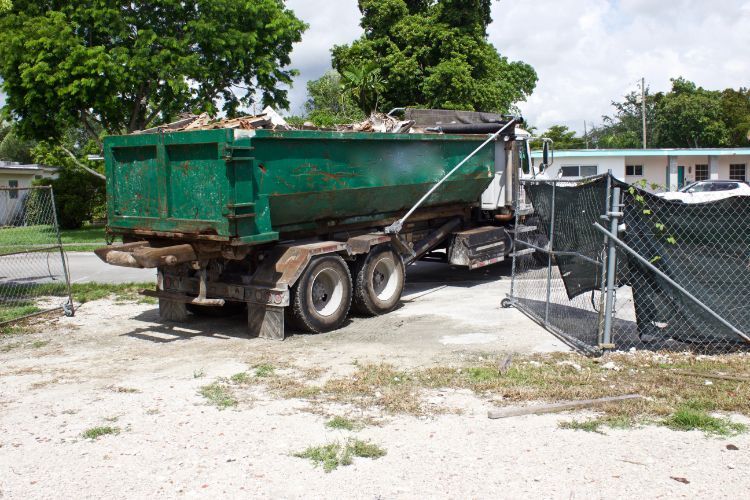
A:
{"x":549,"y":255}
{"x":614,"y":221}
{"x":70,"y":309}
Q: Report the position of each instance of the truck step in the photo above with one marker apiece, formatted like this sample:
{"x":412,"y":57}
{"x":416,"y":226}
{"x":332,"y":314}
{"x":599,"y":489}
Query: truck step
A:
{"x":523,"y":229}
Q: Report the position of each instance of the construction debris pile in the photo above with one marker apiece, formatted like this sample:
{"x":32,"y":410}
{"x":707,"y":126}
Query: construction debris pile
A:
{"x":418,"y":121}
{"x":268,"y":119}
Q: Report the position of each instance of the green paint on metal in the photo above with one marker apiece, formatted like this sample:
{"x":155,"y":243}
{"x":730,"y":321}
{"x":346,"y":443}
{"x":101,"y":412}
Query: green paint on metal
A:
{"x":253,"y":186}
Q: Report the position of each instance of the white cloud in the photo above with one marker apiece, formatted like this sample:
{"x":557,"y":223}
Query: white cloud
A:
{"x":590,"y":52}
{"x":332,"y":22}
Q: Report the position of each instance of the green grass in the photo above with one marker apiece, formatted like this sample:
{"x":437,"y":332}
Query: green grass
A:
{"x":97,"y":432}
{"x":87,"y":292}
{"x":16,"y":239}
{"x":218,"y":395}
{"x":341,"y":423}
{"x":333,"y":455}
{"x":240,"y":378}
{"x":689,"y":417}
{"x":264,"y":370}
{"x":596,"y":424}
{"x":8,"y":313}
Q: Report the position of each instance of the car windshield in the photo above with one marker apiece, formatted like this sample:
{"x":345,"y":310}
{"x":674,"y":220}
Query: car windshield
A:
{"x":697,"y":187}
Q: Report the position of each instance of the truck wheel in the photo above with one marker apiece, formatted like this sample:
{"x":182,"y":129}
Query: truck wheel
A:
{"x":321,"y":298}
{"x":170,"y":310}
{"x":378,"y":281}
{"x":228,"y":309}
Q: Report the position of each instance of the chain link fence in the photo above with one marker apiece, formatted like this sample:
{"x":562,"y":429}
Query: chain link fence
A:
{"x":33,"y":271}
{"x":680,"y":271}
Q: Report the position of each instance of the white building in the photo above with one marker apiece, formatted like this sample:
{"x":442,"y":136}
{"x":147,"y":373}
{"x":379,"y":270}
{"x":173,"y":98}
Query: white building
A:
{"x":662,"y":169}
{"x":17,"y":175}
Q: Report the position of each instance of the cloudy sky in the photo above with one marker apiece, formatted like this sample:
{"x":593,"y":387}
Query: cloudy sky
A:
{"x":586,"y":52}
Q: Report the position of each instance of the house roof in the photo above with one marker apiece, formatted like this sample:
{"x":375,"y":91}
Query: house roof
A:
{"x":598,"y":153}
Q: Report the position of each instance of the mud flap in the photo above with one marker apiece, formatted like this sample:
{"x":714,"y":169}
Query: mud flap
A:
{"x":266,"y":322}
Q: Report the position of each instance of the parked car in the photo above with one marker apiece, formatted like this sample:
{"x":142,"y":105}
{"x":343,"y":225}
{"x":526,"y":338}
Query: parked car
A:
{"x":703,"y":191}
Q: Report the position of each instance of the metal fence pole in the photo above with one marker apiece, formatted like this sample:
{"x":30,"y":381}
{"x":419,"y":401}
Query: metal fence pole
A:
{"x":549,"y":255}
{"x":614,"y":220}
{"x":70,"y":309}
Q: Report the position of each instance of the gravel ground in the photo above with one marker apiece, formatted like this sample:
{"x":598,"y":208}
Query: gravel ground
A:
{"x":115,"y":365}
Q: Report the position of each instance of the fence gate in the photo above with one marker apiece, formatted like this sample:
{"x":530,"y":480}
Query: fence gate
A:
{"x":34,"y":276}
{"x":607,"y":265}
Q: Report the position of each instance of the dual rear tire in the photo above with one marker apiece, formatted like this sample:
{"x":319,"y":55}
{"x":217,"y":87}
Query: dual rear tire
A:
{"x":323,"y":295}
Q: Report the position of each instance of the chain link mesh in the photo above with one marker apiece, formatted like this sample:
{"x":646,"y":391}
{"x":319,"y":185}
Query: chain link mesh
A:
{"x":559,"y":269}
{"x":33,"y":272}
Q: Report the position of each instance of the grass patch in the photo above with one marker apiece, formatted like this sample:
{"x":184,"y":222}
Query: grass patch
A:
{"x":384,"y":388}
{"x":240,"y":378}
{"x":333,"y":455}
{"x":19,"y":239}
{"x":218,"y":395}
{"x":593,"y":425}
{"x":97,"y":432}
{"x":11,"y":312}
{"x":87,"y":292}
{"x":688,"y":418}
{"x":342,"y":423}
{"x":199,"y":373}
{"x":264,"y":370}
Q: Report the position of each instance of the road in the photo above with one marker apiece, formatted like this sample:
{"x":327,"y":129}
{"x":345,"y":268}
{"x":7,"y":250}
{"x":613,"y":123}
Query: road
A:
{"x":86,"y":267}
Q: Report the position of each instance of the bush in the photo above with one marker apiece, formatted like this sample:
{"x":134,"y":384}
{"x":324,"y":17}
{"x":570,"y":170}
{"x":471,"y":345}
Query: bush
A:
{"x":79,"y":196}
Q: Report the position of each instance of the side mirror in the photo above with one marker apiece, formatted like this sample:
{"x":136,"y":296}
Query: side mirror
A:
{"x":545,"y":153}
{"x":691,"y":190}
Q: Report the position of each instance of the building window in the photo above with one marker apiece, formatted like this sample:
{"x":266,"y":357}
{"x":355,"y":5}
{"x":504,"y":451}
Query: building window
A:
{"x":578,"y":170}
{"x":13,"y":193}
{"x":634,"y":170}
{"x":737,"y":172}
{"x":701,"y":172}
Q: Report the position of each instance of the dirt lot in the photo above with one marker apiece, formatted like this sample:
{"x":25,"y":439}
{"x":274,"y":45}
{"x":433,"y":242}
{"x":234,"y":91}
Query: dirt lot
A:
{"x":201,"y":410}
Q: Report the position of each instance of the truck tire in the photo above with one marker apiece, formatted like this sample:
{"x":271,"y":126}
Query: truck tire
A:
{"x":321,"y":298}
{"x":378,"y":281}
{"x":228,"y":309}
{"x":170,"y":310}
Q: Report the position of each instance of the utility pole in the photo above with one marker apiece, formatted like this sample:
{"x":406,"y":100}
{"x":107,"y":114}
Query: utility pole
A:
{"x":585,"y":134}
{"x":643,"y":109}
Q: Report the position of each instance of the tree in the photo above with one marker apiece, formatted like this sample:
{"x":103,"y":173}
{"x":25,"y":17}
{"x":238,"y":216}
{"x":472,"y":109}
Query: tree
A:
{"x":735,"y":108}
{"x":121,"y":66}
{"x":13,"y":147}
{"x":364,"y":83}
{"x":624,"y":129}
{"x":328,"y":103}
{"x":435,"y":53}
{"x":79,"y":196}
{"x":690,"y":117}
{"x":562,"y":138}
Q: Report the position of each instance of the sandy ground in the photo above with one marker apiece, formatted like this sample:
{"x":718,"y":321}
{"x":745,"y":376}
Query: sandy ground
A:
{"x":114,"y":364}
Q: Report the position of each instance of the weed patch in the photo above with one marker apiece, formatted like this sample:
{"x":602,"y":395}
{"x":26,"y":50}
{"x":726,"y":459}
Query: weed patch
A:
{"x":264,"y":370}
{"x":333,"y":455}
{"x":97,"y":432}
{"x":689,"y":418}
{"x":342,"y":423}
{"x":218,"y":395}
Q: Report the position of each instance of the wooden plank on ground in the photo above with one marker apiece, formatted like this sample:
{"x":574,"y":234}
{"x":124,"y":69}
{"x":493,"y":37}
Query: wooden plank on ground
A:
{"x":558,"y":407}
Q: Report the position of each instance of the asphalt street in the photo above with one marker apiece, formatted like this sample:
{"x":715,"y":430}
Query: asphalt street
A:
{"x":86,"y":267}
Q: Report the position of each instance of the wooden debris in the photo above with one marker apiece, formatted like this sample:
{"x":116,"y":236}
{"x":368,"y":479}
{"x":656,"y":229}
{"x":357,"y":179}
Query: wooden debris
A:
{"x":559,"y":407}
{"x":719,"y":376}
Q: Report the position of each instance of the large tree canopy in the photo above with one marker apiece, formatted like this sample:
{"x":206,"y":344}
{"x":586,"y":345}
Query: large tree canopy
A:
{"x":688,"y":116}
{"x":119,"y":66}
{"x":435,"y":53}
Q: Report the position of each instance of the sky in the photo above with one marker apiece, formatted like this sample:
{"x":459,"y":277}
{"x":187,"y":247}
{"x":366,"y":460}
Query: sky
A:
{"x":587,"y":53}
